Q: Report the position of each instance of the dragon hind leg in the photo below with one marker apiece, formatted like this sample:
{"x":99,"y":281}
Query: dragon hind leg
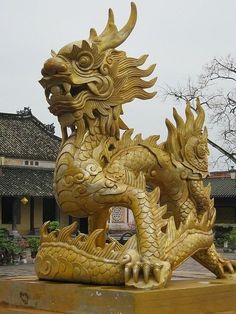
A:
{"x":213,"y":261}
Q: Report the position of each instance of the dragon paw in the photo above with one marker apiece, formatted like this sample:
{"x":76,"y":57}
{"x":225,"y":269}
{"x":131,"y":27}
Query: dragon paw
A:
{"x":145,"y":273}
{"x":226,"y":267}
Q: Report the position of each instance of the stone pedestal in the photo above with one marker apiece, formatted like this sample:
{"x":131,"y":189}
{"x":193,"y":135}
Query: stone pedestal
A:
{"x":30,"y":295}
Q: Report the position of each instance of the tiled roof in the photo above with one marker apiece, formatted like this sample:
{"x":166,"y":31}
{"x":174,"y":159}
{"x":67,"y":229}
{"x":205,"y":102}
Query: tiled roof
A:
{"x":24,"y":181}
{"x":222,"y":187}
{"x":24,"y":136}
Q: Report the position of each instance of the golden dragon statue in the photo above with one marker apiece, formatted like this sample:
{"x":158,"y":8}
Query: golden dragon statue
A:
{"x":98,"y":166}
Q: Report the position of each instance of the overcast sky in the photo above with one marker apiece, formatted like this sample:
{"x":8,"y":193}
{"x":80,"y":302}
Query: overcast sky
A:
{"x":179,"y":36}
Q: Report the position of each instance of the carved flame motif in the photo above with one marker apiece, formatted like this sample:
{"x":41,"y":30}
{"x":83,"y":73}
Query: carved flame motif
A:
{"x":187,"y":142}
{"x":86,"y":83}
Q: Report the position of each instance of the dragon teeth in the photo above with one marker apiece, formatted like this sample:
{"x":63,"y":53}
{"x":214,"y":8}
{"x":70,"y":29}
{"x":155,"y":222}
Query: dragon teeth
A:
{"x":55,"y":90}
{"x":67,"y":87}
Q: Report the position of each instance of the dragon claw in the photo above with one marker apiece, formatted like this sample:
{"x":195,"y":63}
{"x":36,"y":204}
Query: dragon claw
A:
{"x":156,"y":272}
{"x":136,"y":270}
{"x":233,"y":262}
{"x":128,"y":272}
{"x":221,"y":271}
{"x":146,"y":272}
{"x":226,"y":268}
{"x":143,"y":273}
{"x":229,"y":266}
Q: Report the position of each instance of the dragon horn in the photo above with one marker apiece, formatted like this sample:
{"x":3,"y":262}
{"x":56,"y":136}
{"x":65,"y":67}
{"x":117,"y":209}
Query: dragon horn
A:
{"x":110,"y":27}
{"x":111,"y":37}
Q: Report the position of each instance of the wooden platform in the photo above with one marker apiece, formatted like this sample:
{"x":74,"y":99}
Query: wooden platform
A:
{"x":199,"y":296}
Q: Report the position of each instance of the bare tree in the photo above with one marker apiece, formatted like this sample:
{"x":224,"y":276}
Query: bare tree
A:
{"x":216,"y":89}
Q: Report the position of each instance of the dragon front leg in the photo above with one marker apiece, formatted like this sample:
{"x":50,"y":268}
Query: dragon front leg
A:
{"x":143,"y":267}
{"x":146,"y":269}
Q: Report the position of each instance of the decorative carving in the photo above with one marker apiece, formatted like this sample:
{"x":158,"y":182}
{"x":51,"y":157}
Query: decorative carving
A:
{"x":86,"y":83}
{"x":118,"y":214}
{"x":25,"y":112}
{"x":50,"y":128}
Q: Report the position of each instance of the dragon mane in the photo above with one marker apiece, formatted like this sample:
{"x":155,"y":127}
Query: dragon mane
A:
{"x":124,"y":83}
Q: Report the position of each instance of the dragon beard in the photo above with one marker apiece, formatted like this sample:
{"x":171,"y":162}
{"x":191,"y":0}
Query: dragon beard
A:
{"x":87,"y":111}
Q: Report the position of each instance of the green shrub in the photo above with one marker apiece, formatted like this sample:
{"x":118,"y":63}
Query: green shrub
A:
{"x":34,"y":244}
{"x":232,"y":240}
{"x":53,"y":225}
{"x":9,"y":249}
{"x":15,"y":247}
{"x":222,"y":232}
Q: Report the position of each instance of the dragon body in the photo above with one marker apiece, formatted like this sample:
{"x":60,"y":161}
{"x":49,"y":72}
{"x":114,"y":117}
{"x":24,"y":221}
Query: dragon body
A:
{"x":86,"y":84}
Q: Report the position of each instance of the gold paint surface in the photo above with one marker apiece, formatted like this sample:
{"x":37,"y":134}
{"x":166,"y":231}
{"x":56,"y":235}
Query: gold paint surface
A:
{"x":100,"y":166}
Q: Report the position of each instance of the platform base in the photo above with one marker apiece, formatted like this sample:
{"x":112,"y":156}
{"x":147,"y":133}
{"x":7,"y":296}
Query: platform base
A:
{"x":30,"y":295}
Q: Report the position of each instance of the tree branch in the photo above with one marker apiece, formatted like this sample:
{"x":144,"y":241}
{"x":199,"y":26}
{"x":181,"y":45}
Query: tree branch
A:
{"x":219,"y":98}
{"x":220,"y":149}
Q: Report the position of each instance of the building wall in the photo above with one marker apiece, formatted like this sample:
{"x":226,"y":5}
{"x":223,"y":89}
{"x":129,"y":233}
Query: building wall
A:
{"x":225,"y":215}
{"x":225,"y":210}
{"x":24,"y":225}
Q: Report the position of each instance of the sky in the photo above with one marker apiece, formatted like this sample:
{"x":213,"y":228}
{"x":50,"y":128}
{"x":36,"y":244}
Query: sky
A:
{"x":179,"y":36}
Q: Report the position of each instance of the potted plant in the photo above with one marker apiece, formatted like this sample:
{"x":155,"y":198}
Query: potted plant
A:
{"x":9,"y":251}
{"x":24,"y":245}
{"x":53,"y":225}
{"x":5,"y":254}
{"x":34,"y":244}
{"x":16,"y":251}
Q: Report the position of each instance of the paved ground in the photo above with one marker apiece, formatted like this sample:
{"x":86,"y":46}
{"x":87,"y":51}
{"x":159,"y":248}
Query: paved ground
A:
{"x":190,"y":269}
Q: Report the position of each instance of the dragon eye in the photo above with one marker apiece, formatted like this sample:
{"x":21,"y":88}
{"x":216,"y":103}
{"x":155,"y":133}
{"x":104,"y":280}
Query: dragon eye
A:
{"x":85,"y":61}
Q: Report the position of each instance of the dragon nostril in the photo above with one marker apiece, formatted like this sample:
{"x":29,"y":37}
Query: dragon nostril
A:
{"x":53,"y":66}
{"x":43,"y":72}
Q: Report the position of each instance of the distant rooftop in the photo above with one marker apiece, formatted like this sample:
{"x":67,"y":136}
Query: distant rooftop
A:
{"x":26,"y":181}
{"x":222,"y":187}
{"x":23,"y":136}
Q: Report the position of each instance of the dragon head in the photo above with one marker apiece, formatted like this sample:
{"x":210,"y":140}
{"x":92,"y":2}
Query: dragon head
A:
{"x":88,"y":81}
{"x":187,"y":142}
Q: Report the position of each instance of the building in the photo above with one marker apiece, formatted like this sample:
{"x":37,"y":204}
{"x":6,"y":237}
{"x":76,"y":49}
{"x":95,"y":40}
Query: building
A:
{"x":28,"y":150}
{"x":224,"y":193}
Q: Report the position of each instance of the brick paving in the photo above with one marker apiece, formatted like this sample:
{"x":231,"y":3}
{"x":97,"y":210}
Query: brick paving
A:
{"x":190,"y":269}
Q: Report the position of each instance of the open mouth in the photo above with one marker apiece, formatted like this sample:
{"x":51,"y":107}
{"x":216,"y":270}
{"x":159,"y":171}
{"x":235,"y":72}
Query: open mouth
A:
{"x":64,"y":91}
